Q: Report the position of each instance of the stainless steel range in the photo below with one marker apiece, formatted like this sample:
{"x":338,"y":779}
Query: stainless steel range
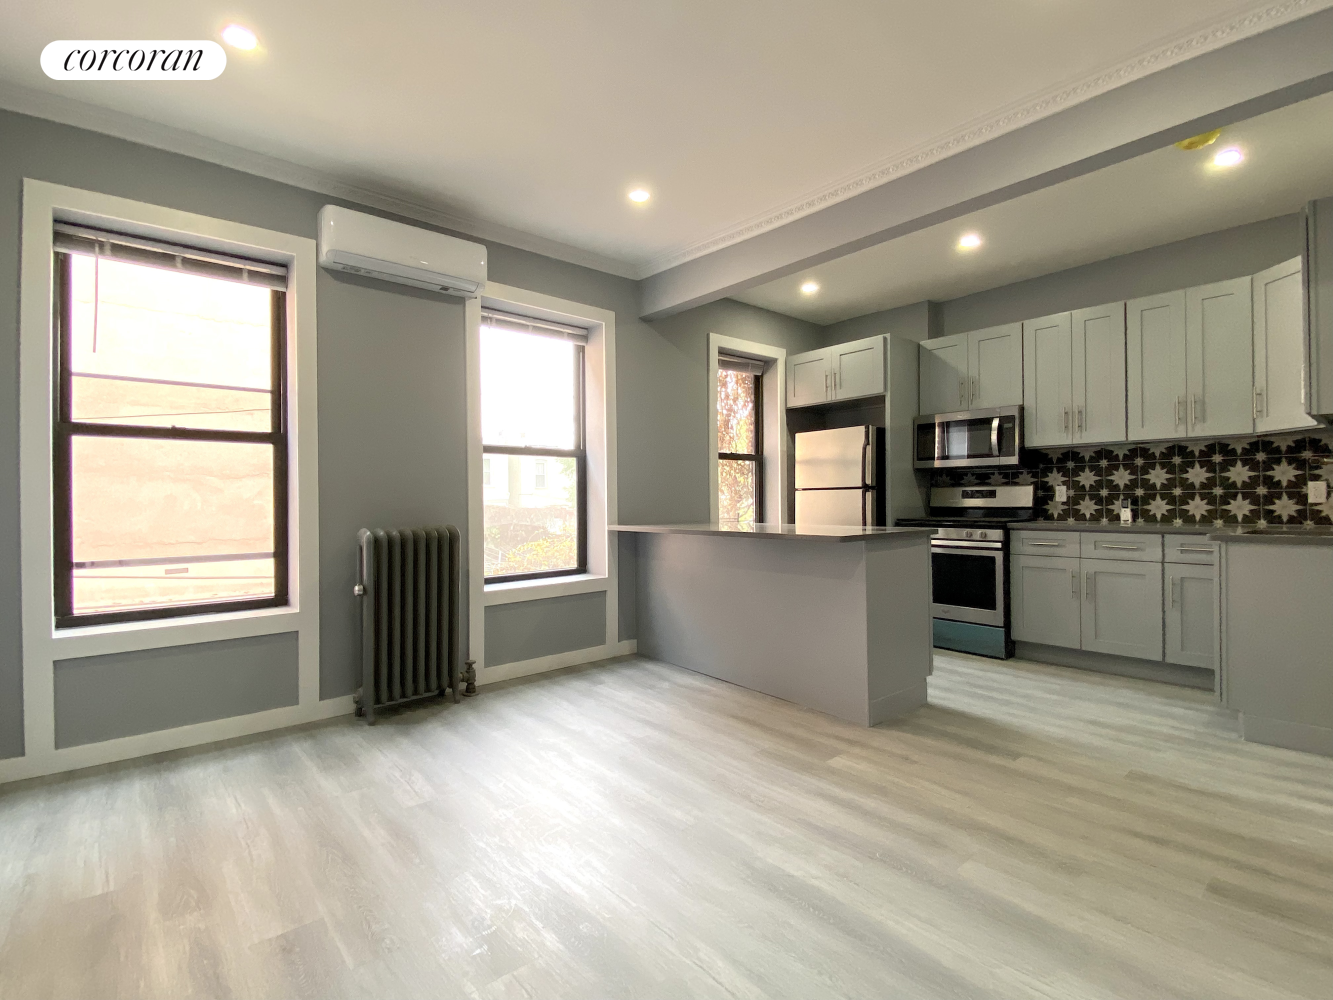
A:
{"x":969,"y":563}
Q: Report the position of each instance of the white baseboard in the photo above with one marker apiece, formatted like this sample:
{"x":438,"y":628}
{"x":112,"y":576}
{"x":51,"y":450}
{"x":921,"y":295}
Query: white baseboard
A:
{"x":127,"y":747}
{"x":556,"y":661}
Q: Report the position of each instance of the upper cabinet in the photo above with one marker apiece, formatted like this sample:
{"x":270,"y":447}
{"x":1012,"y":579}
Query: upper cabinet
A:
{"x":1191,"y":363}
{"x":844,"y":371}
{"x":1319,"y":281}
{"x":1074,"y":377}
{"x":1281,"y":373}
{"x":972,"y":371}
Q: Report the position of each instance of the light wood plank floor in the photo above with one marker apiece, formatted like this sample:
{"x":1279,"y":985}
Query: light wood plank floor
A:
{"x":636,"y":830}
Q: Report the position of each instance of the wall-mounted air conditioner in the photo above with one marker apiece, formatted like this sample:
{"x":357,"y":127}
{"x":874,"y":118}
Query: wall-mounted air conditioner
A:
{"x":366,"y":244}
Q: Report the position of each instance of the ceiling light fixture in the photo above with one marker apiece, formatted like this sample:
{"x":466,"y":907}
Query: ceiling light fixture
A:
{"x":239,"y":37}
{"x":639,"y":195}
{"x":1228,"y":157}
{"x":969,"y":241}
{"x":1199,"y":141}
{"x":809,"y":287}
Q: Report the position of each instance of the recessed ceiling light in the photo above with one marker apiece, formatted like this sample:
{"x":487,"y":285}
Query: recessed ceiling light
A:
{"x":969,"y":241}
{"x":239,"y":37}
{"x":639,"y":195}
{"x":809,"y":287}
{"x":1228,"y":157}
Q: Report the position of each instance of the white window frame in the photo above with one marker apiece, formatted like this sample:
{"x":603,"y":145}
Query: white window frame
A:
{"x":44,"y":204}
{"x":774,"y":386}
{"x":599,"y":361}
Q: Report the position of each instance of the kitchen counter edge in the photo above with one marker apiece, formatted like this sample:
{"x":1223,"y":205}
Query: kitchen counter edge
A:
{"x":788,"y":532}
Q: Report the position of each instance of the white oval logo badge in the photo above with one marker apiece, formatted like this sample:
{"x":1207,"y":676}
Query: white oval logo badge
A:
{"x":192,"y":60}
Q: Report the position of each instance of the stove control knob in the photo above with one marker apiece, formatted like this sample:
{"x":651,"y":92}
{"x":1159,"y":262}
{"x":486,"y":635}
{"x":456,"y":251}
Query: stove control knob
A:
{"x":967,"y":534}
{"x":981,"y":535}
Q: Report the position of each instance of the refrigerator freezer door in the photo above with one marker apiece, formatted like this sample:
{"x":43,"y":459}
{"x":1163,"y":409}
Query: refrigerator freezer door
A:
{"x":841,"y":507}
{"x":834,"y":459}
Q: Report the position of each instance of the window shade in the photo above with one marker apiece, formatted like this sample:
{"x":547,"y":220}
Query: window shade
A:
{"x":735,"y":363}
{"x":70,"y":238}
{"x":528,"y":324}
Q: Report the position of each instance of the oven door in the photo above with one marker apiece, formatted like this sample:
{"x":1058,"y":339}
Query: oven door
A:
{"x":967,"y":581}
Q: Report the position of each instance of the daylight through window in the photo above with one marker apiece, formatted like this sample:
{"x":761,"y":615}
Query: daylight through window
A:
{"x":170,"y":450}
{"x":740,"y":439}
{"x":534,"y":497}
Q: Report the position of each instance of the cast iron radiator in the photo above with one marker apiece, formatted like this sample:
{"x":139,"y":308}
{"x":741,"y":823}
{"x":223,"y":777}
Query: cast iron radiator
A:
{"x":409,"y":584}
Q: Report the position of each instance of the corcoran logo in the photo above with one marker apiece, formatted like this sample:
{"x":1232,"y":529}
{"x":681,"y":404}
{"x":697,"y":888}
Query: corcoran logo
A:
{"x":190,"y":60}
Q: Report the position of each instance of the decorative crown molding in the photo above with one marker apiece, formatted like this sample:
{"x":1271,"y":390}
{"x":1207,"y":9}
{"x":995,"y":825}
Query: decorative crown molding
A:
{"x":1159,"y":57}
{"x":67,"y":111}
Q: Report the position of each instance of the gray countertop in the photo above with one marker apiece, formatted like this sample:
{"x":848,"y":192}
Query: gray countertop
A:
{"x":1247,"y":533}
{"x":815,"y":532}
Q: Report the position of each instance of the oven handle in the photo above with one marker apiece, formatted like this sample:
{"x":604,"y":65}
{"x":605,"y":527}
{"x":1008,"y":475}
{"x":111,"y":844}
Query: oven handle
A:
{"x":951,"y":543}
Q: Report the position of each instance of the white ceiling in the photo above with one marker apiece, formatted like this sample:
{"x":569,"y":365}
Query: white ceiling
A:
{"x":1158,"y":198}
{"x":541,"y":116}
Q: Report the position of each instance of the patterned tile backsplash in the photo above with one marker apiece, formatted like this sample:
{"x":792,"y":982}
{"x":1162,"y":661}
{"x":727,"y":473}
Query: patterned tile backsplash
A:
{"x":1236,"y":481}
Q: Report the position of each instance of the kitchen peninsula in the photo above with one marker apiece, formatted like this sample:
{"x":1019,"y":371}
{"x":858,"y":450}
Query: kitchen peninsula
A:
{"x":833,"y":618}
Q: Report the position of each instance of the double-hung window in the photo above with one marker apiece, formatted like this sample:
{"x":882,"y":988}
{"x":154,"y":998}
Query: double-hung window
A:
{"x":740,"y":439}
{"x":534,"y":492}
{"x":170,"y":443}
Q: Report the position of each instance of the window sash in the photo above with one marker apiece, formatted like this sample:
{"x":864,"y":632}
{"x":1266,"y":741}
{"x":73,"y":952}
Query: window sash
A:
{"x":66,"y":429}
{"x":69,"y":238}
{"x":757,"y":456}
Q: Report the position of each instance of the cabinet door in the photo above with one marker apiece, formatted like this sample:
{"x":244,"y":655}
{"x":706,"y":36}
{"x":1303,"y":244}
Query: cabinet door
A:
{"x":943,"y":371}
{"x":1219,"y":354}
{"x":995,"y":364}
{"x":1280,"y":370}
{"x":1191,"y":615}
{"x":1319,"y":282}
{"x":1099,"y":374}
{"x":858,"y":368}
{"x":1047,"y":365}
{"x":808,"y":378}
{"x":1155,"y":366}
{"x":1122,"y":608}
{"x":1044,"y":600}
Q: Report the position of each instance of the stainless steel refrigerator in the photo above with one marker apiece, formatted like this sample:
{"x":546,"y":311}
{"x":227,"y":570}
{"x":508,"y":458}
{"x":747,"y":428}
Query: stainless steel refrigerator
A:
{"x":838,"y":476}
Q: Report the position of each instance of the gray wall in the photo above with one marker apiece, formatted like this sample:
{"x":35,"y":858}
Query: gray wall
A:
{"x":391,"y":408}
{"x":1195,"y":261}
{"x":918,"y":321}
{"x":125,"y":694}
{"x":540,"y":628}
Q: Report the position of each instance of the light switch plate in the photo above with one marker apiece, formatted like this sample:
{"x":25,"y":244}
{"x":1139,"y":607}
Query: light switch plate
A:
{"x":1061,"y":493}
{"x":1318,"y":490}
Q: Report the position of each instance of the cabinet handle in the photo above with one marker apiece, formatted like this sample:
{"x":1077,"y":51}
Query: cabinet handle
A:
{"x":1180,"y":405}
{"x":1258,"y":403}
{"x":1175,"y":593}
{"x":1112,"y":545}
{"x":1066,"y":419}
{"x":962,"y":393}
{"x":826,"y":381}
{"x":1057,"y":544}
{"x":1081,"y":424}
{"x":1073,"y":582}
{"x":1088,"y":586}
{"x":976,"y":390}
{"x":1196,"y":548}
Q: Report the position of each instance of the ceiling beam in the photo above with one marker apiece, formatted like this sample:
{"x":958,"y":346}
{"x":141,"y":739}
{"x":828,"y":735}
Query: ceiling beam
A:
{"x":1250,"y":77}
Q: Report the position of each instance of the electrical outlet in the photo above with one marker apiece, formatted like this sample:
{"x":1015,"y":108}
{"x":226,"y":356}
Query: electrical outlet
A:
{"x":1318,"y":490}
{"x":1061,"y":493}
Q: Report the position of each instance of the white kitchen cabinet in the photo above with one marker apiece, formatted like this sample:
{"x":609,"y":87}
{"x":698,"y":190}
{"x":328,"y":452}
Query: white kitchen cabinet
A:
{"x":1155,"y":366}
{"x":1048,"y":366}
{"x":972,"y":371}
{"x":1190,"y":611}
{"x":809,"y":378}
{"x":1219,"y":353}
{"x":857,"y":368}
{"x":1280,"y":366}
{"x":943,"y":374}
{"x":1044,"y":602}
{"x":995,"y":366}
{"x":1098,"y":384}
{"x":1122,"y":607}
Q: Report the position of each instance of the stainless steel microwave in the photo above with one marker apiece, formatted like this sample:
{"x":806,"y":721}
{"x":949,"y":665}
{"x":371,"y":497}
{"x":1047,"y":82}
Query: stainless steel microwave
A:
{"x":968,"y":438}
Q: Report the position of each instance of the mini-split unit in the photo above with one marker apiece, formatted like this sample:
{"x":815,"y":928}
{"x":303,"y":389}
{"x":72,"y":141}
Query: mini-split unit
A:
{"x":407,"y":255}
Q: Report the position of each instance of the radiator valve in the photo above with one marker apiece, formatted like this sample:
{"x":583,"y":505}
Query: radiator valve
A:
{"x":469,"y":678}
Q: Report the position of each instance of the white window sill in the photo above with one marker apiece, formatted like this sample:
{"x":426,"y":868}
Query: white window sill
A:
{"x":540,"y":590}
{"x":92,"y":640}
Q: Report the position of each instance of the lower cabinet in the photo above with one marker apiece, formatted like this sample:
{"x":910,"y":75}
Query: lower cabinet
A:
{"x":1122,"y":607}
{"x":1044,"y":600}
{"x":1138,"y":607}
{"x":1191,"y":615}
